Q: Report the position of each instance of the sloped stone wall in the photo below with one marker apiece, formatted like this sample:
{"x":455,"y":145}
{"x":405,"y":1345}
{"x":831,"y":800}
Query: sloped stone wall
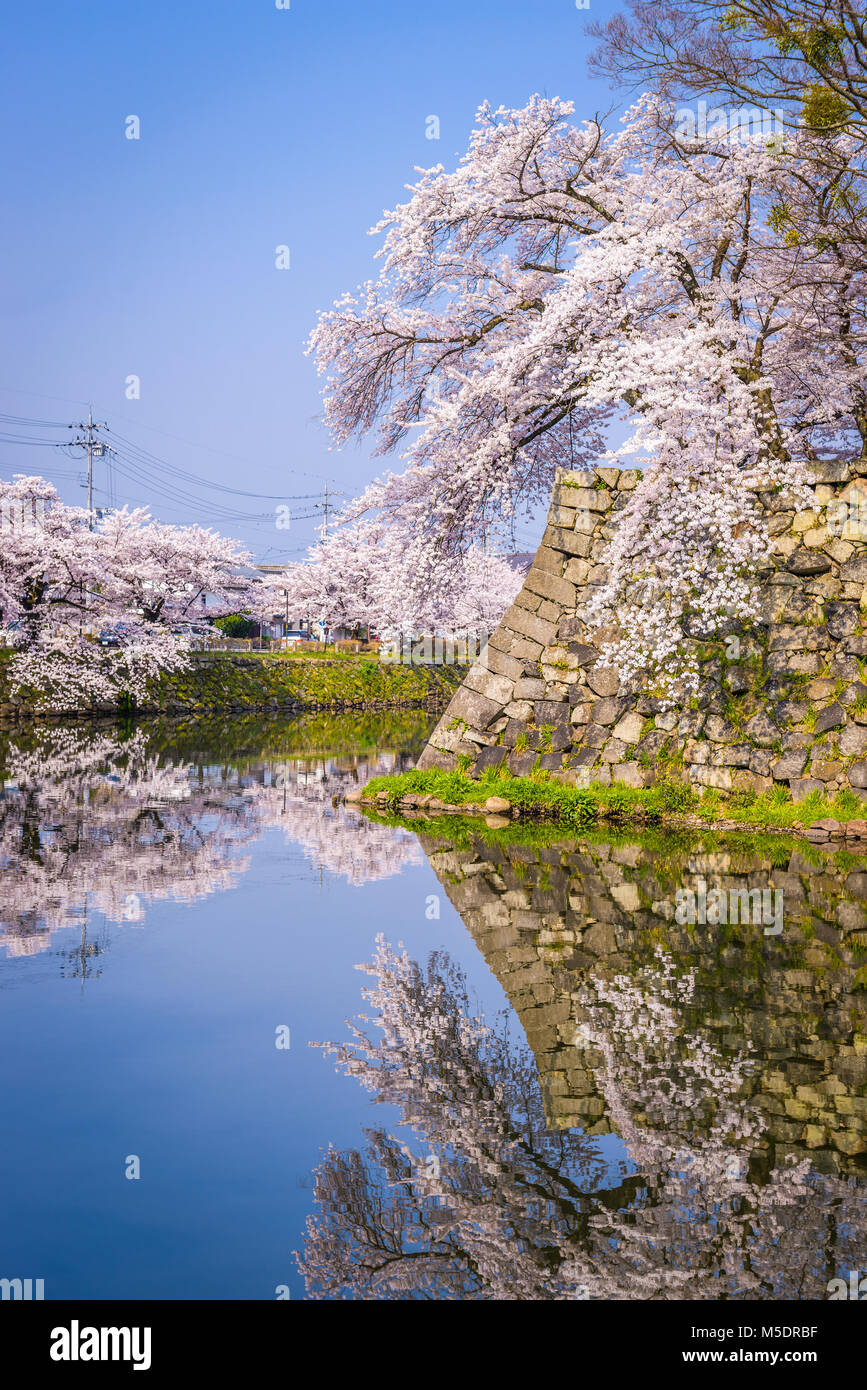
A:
{"x":783,"y":704}
{"x":549,"y":920}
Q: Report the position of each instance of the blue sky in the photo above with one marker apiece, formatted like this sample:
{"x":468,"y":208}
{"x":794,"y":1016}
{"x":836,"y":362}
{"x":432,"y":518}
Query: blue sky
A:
{"x":155,"y":257}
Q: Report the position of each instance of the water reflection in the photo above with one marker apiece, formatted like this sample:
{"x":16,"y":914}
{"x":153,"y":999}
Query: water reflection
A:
{"x":731,"y":1064}
{"x":98,"y":824}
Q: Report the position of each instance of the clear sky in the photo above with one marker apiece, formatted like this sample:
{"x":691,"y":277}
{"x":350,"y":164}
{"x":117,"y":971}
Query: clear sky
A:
{"x":155,"y":257}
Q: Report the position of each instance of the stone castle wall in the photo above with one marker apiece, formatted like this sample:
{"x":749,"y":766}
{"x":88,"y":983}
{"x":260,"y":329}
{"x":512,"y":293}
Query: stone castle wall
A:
{"x":789,"y":708}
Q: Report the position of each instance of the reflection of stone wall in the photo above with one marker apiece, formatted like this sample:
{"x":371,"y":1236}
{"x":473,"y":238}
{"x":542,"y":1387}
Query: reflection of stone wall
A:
{"x":543,"y":696}
{"x":549,"y":920}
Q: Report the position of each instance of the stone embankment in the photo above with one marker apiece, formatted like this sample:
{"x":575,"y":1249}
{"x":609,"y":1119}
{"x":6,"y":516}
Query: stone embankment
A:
{"x":220,"y":682}
{"x":784,"y":705}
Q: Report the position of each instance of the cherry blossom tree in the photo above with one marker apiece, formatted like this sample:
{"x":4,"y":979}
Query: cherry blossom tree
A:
{"x":564,"y":274}
{"x":146,"y":587}
{"x":362,"y":575}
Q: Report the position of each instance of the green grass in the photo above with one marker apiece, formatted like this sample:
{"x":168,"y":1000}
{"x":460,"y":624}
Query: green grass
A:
{"x":542,"y":797}
{"x":538,"y":795}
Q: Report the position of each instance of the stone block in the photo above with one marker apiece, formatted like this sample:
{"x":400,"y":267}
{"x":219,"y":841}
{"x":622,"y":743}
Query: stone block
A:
{"x":607,"y":711}
{"x":489,"y":757}
{"x":614,"y":751}
{"x":526,"y":624}
{"x":524,"y":650}
{"x":609,"y":476}
{"x":796,"y":663}
{"x":550,"y":711}
{"x":496,"y":688}
{"x":803,"y":786}
{"x":574,"y":478}
{"x":828,"y":471}
{"x":521,"y":764}
{"x":569,"y":542}
{"x":502,"y":664}
{"x":603,"y":680}
{"x":826,"y":769}
{"x":549,"y":560}
{"x":854,"y":571}
{"x":831,"y":717}
{"x":719,"y":777}
{"x":762,"y":730}
{"x":592,"y":499}
{"x":629,"y":728}
{"x":791,"y":638}
{"x":529,"y":688}
{"x":733,"y":755}
{"x":789,"y":766}
{"x":576,"y":571}
{"x":477,"y":709}
{"x":548,"y":586}
{"x":806,"y":562}
{"x":432,"y":757}
{"x":853,"y":741}
{"x":527,"y":600}
{"x":628,"y":773}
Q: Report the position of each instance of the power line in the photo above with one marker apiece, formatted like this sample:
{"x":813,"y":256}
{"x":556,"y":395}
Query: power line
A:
{"x":157,"y":462}
{"x":146,"y":456}
{"x":132,"y":462}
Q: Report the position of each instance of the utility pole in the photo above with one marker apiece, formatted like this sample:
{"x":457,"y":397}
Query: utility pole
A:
{"x":324,"y":507}
{"x":95,"y":449}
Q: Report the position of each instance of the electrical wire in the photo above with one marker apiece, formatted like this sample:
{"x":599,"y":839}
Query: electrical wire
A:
{"x":138,"y":465}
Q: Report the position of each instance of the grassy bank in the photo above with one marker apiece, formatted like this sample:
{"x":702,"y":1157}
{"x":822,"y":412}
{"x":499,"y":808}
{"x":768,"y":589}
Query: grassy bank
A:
{"x":296,"y":682}
{"x":543,"y":798}
{"x":234,"y":682}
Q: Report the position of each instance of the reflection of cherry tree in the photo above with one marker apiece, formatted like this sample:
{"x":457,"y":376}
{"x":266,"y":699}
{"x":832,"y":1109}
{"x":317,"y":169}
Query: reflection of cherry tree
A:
{"x":496,"y":1206}
{"x":465,"y":1219}
{"x":94,"y":824}
{"x":335,"y":838}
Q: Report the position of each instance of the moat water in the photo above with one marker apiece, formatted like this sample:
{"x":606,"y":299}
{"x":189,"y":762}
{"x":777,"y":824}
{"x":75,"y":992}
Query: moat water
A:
{"x":592,"y":1068}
